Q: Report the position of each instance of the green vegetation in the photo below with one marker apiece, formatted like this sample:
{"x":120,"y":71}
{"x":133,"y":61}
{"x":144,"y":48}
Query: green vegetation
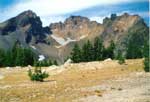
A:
{"x":92,"y":52}
{"x":134,"y":50}
{"x":86,"y":50}
{"x":121,"y":58}
{"x":97,"y":52}
{"x":37,"y":74}
{"x":146,"y":57}
{"x":45,"y":63}
{"x":19,"y":56}
{"x":98,"y":49}
{"x":109,"y":52}
{"x":76,"y":54}
{"x":146,"y":65}
{"x":136,"y":39}
{"x":55,"y":63}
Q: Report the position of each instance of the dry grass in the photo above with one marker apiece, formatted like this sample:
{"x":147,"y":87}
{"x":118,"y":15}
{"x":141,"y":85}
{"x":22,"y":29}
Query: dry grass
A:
{"x":63,"y":87}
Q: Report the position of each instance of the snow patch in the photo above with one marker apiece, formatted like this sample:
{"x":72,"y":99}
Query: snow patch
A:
{"x":58,"y":47}
{"x":41,"y":57}
{"x":33,"y":47}
{"x":62,"y":41}
{"x":83,"y":36}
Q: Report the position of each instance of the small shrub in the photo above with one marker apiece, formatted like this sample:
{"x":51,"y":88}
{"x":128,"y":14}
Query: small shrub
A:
{"x":121,"y":59}
{"x":146,"y":65}
{"x":37,"y":74}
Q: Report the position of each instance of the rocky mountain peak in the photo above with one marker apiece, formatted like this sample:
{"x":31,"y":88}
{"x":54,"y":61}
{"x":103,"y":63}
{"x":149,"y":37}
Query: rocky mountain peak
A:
{"x":76,"y":20}
{"x":28,"y":17}
{"x":28,"y":13}
{"x":72,"y":21}
{"x":22,"y":20}
{"x":76,"y":28}
{"x":27,"y":24}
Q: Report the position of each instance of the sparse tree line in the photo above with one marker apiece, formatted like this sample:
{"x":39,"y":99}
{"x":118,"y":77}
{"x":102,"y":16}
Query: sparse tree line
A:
{"x":97,"y":52}
{"x":19,"y":56}
{"x":93,"y":51}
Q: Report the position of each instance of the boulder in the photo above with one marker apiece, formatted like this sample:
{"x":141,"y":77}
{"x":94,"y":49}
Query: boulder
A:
{"x":108,"y":59}
{"x":68,"y":62}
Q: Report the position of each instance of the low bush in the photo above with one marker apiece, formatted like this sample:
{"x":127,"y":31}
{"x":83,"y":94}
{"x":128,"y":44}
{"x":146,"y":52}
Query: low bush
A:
{"x":37,"y":74}
{"x":120,"y":58}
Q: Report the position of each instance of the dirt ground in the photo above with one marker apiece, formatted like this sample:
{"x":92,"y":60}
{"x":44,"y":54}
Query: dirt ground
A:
{"x":104,"y":81}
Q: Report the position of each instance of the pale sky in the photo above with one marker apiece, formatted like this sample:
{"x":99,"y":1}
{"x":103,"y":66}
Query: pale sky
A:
{"x":57,"y":10}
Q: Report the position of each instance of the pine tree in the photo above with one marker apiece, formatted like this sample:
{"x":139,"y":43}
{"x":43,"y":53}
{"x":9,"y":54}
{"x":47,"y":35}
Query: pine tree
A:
{"x":146,"y":57}
{"x":135,"y":44}
{"x":98,"y":49}
{"x":134,"y":51}
{"x":84,"y":53}
{"x":55,"y":62}
{"x":76,"y":54}
{"x":109,"y":52}
{"x":18,"y":58}
{"x":29,"y":57}
{"x":9,"y":60}
{"x":89,"y":51}
{"x":121,"y":58}
{"x":2,"y":57}
{"x":49,"y":62}
{"x":37,"y":74}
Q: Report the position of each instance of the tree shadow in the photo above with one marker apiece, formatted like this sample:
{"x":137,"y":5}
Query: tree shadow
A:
{"x":49,"y":81}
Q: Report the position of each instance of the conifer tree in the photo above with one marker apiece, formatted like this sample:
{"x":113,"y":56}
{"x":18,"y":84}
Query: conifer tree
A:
{"x":84,"y":53}
{"x":9,"y":60}
{"x":90,"y":51}
{"x":109,"y":51}
{"x":87,"y":52}
{"x":146,"y":57}
{"x":135,"y":44}
{"x":2,"y":57}
{"x":121,"y":58}
{"x":55,"y":62}
{"x":98,"y":49}
{"x":76,"y":54}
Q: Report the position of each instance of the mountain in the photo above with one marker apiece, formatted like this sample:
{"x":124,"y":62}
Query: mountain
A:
{"x":57,"y":39}
{"x":25,"y":28}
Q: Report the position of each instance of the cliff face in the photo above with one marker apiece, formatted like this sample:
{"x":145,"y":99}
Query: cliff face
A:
{"x":119,"y":26}
{"x":77,"y":27}
{"x":57,"y":40}
{"x":113,"y":28}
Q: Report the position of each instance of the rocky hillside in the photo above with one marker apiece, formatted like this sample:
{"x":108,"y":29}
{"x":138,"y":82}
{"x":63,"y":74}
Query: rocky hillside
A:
{"x":57,"y":40}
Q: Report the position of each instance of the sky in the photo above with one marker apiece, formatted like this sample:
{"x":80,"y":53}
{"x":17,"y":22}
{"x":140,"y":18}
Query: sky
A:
{"x":51,"y":11}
